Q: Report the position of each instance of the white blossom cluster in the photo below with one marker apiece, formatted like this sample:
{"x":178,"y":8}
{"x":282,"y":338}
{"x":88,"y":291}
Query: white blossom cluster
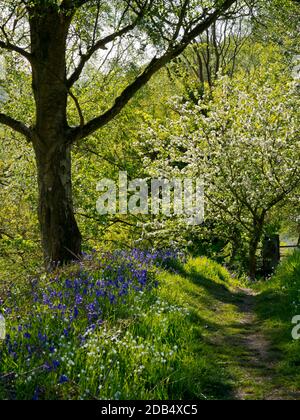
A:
{"x":244,"y":142}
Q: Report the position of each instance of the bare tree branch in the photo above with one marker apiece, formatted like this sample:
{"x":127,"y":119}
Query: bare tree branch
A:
{"x":78,"y":107}
{"x":101,"y":44}
{"x":10,"y":47}
{"x":16,"y":126}
{"x":155,"y":65}
{"x":7,"y":44}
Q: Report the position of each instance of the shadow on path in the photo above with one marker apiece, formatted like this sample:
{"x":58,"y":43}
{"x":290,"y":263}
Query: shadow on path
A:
{"x":239,"y":343}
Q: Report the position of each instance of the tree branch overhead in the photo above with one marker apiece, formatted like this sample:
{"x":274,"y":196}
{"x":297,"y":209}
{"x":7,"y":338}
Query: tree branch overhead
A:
{"x":173,"y":51}
{"x":16,"y":125}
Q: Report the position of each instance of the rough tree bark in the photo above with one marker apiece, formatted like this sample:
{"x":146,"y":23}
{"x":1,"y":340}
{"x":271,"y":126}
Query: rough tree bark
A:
{"x":61,"y":238}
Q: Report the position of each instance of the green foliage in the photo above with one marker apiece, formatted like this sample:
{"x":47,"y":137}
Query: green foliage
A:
{"x":243,"y":141}
{"x":141,"y":351}
{"x":243,"y":135}
{"x":112,"y":150}
{"x":278,"y":304}
{"x":19,"y":233}
{"x":281,"y":18}
{"x":262,"y":62}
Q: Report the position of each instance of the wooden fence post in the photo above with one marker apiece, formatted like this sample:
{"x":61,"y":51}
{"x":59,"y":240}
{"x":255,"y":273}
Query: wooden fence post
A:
{"x":271,"y":254}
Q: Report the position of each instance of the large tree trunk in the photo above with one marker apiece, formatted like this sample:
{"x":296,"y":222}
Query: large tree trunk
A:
{"x":61,"y":238}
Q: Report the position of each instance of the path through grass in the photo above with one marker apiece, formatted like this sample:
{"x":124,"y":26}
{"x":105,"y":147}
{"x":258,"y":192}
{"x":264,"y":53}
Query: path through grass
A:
{"x":200,"y":335}
{"x":234,"y":336}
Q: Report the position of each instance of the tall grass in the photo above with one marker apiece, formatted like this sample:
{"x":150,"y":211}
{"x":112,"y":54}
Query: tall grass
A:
{"x":278,"y":304}
{"x":117,"y":326}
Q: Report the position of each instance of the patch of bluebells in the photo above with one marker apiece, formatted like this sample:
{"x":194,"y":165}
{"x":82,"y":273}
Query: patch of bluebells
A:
{"x":72,"y":305}
{"x":164,"y":259}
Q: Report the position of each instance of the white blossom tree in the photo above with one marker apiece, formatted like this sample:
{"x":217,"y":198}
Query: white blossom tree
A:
{"x":245,"y":143}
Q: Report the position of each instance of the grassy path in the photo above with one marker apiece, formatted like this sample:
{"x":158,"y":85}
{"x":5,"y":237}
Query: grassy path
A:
{"x":198,"y":335}
{"x":234,"y":340}
{"x":255,"y":364}
{"x":259,"y":366}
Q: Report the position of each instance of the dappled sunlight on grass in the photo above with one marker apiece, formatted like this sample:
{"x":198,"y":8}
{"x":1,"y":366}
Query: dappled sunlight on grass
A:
{"x":278,"y":304}
{"x":147,"y":327}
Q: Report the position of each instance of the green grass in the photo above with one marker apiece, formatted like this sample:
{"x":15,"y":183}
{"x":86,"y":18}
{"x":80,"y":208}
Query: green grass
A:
{"x":277,"y":304}
{"x":154,"y":347}
{"x":190,"y":338}
{"x":204,"y":288}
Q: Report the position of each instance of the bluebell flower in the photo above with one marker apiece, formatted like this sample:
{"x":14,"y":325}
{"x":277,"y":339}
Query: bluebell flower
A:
{"x":63,"y":379}
{"x":78,"y":299}
{"x":112,"y":298}
{"x":66,"y":332}
{"x":68,"y":284}
{"x":36,"y":394}
{"x":55,"y":364}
